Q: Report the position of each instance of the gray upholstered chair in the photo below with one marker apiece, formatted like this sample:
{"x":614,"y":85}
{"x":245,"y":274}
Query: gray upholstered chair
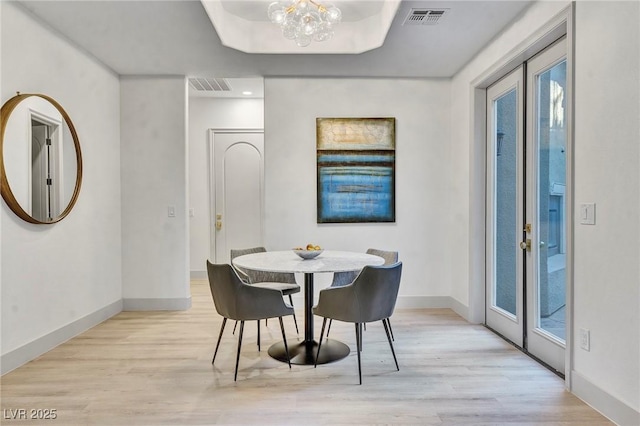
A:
{"x":238,"y":301}
{"x":285,"y":282}
{"x":371,"y":297}
{"x":343,"y":278}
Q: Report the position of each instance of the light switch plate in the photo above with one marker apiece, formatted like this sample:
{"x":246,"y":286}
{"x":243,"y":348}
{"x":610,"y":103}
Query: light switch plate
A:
{"x":588,"y":213}
{"x":171,"y":211}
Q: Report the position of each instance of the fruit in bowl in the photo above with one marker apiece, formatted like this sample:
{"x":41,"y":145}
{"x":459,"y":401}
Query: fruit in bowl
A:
{"x":309,"y":252}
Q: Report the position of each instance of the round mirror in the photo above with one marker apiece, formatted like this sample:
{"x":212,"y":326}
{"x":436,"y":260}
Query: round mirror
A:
{"x":40,"y":158}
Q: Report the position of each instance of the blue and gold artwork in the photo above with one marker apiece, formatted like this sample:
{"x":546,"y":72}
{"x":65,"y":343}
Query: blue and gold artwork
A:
{"x":356,"y":170}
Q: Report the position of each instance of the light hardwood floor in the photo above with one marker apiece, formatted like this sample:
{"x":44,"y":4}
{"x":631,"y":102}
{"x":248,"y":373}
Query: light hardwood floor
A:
{"x":154,"y":368}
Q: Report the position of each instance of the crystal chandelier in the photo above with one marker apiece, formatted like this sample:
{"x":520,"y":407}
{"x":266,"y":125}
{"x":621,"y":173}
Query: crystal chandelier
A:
{"x":304,"y":20}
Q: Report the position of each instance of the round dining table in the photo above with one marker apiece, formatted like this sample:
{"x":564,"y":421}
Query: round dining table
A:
{"x":305,"y":352}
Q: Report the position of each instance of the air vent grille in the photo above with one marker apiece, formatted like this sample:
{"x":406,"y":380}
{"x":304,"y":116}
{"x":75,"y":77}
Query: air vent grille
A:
{"x":424,"y":16}
{"x":210,"y":84}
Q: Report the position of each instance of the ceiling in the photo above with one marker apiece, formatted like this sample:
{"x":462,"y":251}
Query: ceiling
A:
{"x":244,"y":25}
{"x":177,"y":38}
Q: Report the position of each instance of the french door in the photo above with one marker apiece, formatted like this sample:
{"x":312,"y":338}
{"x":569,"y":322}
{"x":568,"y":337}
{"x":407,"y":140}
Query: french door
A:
{"x":505,"y":205}
{"x":527,"y":124}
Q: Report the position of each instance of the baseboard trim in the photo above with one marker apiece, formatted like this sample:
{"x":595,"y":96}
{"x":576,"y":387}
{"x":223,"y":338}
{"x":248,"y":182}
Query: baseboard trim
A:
{"x":460,"y":309}
{"x":606,"y":404}
{"x":418,"y":302}
{"x":199,"y":275}
{"x":403,"y":302}
{"x":174,"y":304}
{"x":30,"y":351}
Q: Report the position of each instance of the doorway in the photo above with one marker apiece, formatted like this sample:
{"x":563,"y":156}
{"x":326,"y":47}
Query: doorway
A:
{"x":526,"y":274}
{"x":237,"y":191}
{"x":46,"y":167}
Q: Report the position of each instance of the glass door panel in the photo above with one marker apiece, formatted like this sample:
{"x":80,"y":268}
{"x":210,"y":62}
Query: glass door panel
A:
{"x":551,"y":147}
{"x":506,"y":235}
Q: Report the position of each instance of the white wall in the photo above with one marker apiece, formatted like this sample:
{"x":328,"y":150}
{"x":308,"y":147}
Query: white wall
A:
{"x":420,"y":234}
{"x":607,"y":155}
{"x":607,"y":164}
{"x":155,"y":247}
{"x":205,"y":114}
{"x":57,"y":277}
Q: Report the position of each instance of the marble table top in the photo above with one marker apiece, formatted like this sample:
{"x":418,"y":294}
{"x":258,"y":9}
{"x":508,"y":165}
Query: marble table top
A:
{"x":288,"y":261}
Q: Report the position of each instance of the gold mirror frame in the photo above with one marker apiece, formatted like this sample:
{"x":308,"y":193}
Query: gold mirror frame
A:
{"x":5,"y":188}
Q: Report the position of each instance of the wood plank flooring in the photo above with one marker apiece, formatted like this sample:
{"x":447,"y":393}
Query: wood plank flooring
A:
{"x":154,"y":368}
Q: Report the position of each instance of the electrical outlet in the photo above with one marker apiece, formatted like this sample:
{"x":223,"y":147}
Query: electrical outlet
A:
{"x":585,"y":339}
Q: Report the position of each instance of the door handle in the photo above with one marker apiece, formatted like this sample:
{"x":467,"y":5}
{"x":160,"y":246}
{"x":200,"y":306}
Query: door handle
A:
{"x":525,"y":245}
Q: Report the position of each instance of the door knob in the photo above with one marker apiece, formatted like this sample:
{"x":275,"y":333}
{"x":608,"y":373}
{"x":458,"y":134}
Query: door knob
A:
{"x":525,"y":245}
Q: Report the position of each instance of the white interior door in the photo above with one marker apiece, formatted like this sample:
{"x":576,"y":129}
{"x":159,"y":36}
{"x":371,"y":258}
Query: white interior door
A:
{"x":505,"y":195}
{"x":39,"y":173}
{"x":46,"y":176}
{"x":238,"y":191}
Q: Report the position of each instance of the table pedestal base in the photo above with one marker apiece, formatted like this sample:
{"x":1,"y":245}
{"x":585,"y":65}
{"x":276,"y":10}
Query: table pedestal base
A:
{"x":304,"y":353}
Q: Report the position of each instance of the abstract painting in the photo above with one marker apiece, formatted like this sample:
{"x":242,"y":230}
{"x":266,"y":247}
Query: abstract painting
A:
{"x":356,"y":169}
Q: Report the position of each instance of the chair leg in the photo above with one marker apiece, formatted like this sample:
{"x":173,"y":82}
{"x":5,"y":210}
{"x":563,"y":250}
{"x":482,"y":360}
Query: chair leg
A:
{"x":235,"y":377}
{"x":224,"y":322}
{"x":390,"y":329}
{"x":358,"y":336}
{"x":386,"y":329}
{"x":329,"y":329}
{"x":295,"y":321}
{"x":324,"y":322}
{"x":234,"y":328}
{"x":284,"y":339}
{"x":258,"y":322}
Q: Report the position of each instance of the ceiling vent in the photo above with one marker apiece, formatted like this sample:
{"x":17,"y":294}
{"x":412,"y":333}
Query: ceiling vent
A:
{"x":424,"y":16}
{"x":210,"y":84}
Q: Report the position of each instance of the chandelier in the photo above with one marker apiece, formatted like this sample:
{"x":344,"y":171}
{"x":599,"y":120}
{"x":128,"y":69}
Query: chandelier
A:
{"x":304,"y":20}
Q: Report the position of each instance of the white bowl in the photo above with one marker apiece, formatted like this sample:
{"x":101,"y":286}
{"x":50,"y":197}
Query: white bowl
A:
{"x":308,"y":254}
